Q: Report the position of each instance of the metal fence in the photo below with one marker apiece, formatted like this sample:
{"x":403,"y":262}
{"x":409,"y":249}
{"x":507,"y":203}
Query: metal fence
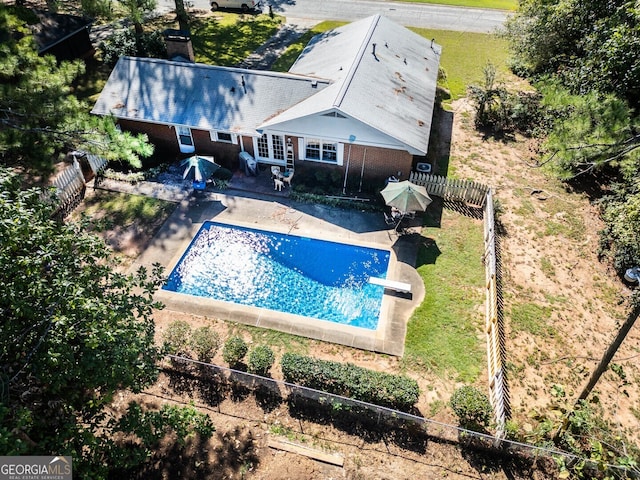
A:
{"x":466,"y":191}
{"x":217,"y":383}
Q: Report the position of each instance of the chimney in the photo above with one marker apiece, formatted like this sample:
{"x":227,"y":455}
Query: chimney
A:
{"x":179,"y":45}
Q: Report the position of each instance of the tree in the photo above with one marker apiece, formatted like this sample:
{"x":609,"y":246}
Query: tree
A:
{"x":590,"y":45}
{"x":39,"y":117}
{"x":73,"y":333}
{"x":136,"y":10}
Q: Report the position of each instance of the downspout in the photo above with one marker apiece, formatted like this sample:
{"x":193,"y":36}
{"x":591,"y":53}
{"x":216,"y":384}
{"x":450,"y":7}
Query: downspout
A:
{"x":346,"y":172}
{"x":364,"y":156}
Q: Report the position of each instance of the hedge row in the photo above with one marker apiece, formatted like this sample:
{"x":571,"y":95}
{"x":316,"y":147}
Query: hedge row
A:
{"x":348,"y":380}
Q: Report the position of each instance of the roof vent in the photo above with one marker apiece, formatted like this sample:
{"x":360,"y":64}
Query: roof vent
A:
{"x":314,"y":84}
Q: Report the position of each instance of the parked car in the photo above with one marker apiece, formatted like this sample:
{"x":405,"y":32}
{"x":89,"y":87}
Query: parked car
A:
{"x":244,"y":5}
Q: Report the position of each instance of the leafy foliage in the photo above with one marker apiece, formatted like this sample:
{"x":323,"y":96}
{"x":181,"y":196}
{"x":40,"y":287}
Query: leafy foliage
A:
{"x":589,"y":45}
{"x":598,"y":446}
{"x":128,"y":43}
{"x":205,"y":343}
{"x":74,"y":332}
{"x":502,"y":112}
{"x":393,"y":391}
{"x":261,"y":360}
{"x":176,"y":337}
{"x":39,"y":117}
{"x":234,"y":350}
{"x":472,"y":408}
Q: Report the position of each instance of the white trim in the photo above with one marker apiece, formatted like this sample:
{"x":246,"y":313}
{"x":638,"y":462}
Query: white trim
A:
{"x":215,"y":137}
{"x":182,"y":131}
{"x":322,"y":142}
{"x":300,"y":148}
{"x":270,"y":149}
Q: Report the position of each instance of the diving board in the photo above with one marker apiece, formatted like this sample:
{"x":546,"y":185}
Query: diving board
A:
{"x":391,"y":284}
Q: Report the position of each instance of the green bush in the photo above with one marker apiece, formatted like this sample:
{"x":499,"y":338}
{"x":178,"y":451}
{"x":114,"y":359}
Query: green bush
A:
{"x":223,"y":174}
{"x":205,"y":343}
{"x":176,"y":337}
{"x":261,"y":360}
{"x":348,"y":380}
{"x":125,"y":43}
{"x":234,"y":350}
{"x":472,"y":408}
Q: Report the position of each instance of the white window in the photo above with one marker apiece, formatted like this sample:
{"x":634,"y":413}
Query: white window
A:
{"x":270,"y":147}
{"x":321,"y":150}
{"x":224,"y":137}
{"x":185,"y":140}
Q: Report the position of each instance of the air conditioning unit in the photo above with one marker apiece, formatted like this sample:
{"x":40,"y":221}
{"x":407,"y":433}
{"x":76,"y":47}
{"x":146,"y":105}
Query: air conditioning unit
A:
{"x":423,"y":167}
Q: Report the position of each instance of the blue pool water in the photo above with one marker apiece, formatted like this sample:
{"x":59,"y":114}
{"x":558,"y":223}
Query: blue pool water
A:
{"x":286,"y":273}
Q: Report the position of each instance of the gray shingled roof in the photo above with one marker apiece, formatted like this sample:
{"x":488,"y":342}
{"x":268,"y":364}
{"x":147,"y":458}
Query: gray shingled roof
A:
{"x":392,"y":91}
{"x":200,"y":96}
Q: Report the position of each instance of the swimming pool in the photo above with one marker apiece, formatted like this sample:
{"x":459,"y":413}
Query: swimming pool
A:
{"x":286,"y":273}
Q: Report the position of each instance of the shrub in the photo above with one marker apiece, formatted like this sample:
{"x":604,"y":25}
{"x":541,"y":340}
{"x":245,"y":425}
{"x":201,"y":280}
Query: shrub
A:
{"x":223,"y":174}
{"x":384,"y":389}
{"x":234,"y":350}
{"x":125,"y":43}
{"x":176,"y":337}
{"x":472,"y":408}
{"x":205,"y":343}
{"x":261,"y":360}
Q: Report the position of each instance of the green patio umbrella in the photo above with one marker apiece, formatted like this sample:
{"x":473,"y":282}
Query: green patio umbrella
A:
{"x":406,"y":196}
{"x":199,"y":168}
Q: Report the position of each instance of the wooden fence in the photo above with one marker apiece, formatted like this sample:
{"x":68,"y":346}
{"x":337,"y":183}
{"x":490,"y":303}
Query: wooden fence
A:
{"x":466,"y":191}
{"x":70,"y":184}
{"x":479,"y":195}
{"x":498,"y":390}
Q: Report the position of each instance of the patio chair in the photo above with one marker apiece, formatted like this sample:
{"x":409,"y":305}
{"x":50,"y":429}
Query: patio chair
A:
{"x":389,"y":220}
{"x":287,"y":177}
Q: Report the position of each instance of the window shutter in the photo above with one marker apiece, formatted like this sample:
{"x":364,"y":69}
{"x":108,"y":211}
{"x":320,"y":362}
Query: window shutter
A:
{"x":301,"y":149}
{"x":340,"y":154}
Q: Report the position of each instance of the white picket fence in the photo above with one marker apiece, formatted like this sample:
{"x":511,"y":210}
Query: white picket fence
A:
{"x":498,"y":389}
{"x":466,"y":191}
{"x":70,"y":184}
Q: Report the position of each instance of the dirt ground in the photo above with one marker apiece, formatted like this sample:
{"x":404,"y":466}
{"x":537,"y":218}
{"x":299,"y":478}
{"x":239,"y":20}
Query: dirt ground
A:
{"x":562,"y":307}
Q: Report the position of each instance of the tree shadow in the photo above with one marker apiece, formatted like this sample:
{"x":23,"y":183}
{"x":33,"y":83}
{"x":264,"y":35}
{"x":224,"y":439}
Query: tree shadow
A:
{"x":212,"y":386}
{"x":370,"y":426}
{"x":196,"y":459}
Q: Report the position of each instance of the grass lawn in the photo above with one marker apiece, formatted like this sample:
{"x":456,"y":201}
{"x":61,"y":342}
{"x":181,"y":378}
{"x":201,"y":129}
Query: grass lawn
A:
{"x":226,"y":39}
{"x":497,"y":4}
{"x":445,"y":334}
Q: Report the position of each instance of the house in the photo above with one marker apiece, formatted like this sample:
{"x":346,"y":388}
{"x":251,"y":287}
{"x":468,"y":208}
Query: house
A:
{"x":64,"y":36}
{"x":358,"y":99}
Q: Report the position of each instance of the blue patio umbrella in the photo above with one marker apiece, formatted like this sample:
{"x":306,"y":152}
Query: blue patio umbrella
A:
{"x":199,"y":168}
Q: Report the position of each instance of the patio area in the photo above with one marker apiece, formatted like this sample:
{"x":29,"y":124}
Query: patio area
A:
{"x":244,"y":205}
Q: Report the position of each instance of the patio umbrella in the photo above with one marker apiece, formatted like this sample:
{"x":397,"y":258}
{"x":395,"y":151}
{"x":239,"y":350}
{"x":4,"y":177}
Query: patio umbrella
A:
{"x":406,"y":196}
{"x":198,"y":168}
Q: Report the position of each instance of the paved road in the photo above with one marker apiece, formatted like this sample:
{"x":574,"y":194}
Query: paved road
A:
{"x":408,"y":14}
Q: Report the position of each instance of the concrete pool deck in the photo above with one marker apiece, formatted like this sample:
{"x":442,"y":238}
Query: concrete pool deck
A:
{"x":308,"y":220}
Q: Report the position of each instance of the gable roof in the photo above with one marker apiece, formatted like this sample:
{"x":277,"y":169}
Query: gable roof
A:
{"x":390,"y":90}
{"x":383,"y":74}
{"x":200,"y":96}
